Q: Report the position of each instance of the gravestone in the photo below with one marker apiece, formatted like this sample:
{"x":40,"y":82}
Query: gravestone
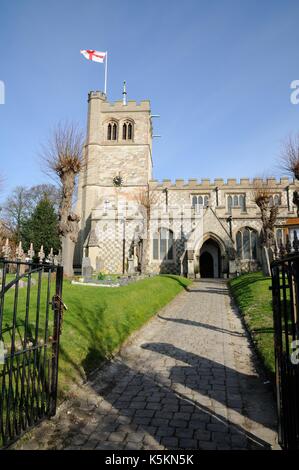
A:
{"x":99,"y":264}
{"x":86,"y":269}
{"x":131,"y":267}
{"x":233,"y":268}
{"x":267,"y":257}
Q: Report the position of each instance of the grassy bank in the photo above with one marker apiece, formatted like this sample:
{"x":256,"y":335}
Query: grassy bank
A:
{"x":98,"y":320}
{"x":254,"y":299}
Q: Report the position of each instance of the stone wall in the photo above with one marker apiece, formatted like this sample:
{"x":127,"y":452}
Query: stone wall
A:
{"x":102,"y":205}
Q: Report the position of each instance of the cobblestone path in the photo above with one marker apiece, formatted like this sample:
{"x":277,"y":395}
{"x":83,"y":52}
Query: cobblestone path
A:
{"x":186,"y":380}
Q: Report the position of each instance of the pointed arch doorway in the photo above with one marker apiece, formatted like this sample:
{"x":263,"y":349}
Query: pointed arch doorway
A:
{"x":210,"y":259}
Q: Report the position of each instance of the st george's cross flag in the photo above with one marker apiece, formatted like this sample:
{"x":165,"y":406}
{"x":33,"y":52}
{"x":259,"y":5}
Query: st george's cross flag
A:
{"x":96,"y":56}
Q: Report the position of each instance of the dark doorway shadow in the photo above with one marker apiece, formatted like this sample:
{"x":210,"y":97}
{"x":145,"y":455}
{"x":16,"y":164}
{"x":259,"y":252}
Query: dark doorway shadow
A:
{"x":206,"y":265}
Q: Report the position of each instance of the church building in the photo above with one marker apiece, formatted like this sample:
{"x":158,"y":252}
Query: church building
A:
{"x":194,"y":228}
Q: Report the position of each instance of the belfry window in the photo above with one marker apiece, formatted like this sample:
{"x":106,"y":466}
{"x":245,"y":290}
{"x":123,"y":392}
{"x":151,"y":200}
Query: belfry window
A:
{"x":112,"y":131}
{"x":246,"y":244}
{"x":163,"y":245}
{"x":127,"y":131}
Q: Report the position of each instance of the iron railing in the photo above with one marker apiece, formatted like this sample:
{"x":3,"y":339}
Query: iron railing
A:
{"x":30,"y":324}
{"x":285,"y":292}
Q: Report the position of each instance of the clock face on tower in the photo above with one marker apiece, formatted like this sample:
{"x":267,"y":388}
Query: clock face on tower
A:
{"x":117,"y":180}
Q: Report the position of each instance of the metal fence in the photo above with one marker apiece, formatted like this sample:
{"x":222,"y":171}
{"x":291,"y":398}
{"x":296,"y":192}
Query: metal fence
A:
{"x":30,"y":326}
{"x":285,"y":292}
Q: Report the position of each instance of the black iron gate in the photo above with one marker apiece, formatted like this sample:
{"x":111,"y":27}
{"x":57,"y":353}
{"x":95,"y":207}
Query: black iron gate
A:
{"x":285,"y":291}
{"x":30,"y":324}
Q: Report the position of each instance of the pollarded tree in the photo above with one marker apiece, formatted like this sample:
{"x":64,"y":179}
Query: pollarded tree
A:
{"x":42,"y":228}
{"x":145,"y":199}
{"x":262,"y":197}
{"x":290,"y":162}
{"x":63,"y":157}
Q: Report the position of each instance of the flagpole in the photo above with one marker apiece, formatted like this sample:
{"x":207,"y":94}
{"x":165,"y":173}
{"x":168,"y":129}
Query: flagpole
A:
{"x":106,"y":60}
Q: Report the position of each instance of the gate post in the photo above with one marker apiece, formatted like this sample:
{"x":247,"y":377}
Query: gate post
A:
{"x":57,"y":307}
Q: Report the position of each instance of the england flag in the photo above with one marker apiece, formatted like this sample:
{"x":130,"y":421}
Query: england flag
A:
{"x":96,"y":56}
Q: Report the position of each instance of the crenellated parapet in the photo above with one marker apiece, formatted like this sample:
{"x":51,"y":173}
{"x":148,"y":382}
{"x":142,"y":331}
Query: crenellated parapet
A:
{"x":118,"y":106}
{"x":230,"y":183}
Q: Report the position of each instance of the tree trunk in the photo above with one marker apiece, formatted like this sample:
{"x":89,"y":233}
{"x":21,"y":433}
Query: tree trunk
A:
{"x":67,"y":249}
{"x":68,"y":223}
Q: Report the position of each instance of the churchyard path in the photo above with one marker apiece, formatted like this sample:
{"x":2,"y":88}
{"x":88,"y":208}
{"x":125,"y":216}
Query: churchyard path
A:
{"x":187,"y":380}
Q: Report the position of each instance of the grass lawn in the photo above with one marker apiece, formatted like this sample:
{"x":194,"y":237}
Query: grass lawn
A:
{"x":98,"y":319}
{"x":254,"y":299}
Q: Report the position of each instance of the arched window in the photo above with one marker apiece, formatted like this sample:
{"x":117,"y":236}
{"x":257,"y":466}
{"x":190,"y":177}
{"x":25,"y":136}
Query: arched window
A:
{"x":246,"y":243}
{"x":130,"y":131}
{"x":127,"y":131}
{"x":239,"y":244}
{"x":163,"y":245}
{"x":229,"y":204}
{"x":253,"y":244}
{"x":112,"y":131}
{"x":206,"y":201}
{"x":242,"y":203}
{"x":109,"y":132}
{"x":279,"y":236}
{"x":236,"y":201}
{"x":200,"y":200}
{"x":276,"y":200}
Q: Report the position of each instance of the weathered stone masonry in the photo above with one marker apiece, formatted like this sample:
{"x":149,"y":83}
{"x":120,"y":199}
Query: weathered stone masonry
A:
{"x":206,"y":228}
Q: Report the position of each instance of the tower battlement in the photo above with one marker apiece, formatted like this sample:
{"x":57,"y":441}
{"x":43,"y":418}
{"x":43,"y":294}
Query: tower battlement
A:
{"x":118,"y":106}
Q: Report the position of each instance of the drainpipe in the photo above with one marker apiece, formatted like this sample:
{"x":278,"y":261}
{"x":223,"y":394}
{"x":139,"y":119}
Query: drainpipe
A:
{"x":124,"y":245}
{"x":229,"y":221}
{"x":166,"y":198}
{"x":217,"y":200}
{"x":288,"y":197}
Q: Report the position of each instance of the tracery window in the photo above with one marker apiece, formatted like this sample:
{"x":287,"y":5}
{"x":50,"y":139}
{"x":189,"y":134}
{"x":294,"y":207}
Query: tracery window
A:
{"x":236,"y":200}
{"x":279,"y":236}
{"x":112,"y":131}
{"x":246,"y":243}
{"x":163,"y":245}
{"x":127,"y":130}
{"x":200,"y":200}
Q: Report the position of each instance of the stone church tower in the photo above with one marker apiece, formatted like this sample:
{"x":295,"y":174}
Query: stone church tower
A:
{"x":197,"y":228}
{"x":118,"y":154}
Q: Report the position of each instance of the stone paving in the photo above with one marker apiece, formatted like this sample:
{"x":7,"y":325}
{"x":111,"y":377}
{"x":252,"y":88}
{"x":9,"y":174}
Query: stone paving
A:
{"x":187,"y":380}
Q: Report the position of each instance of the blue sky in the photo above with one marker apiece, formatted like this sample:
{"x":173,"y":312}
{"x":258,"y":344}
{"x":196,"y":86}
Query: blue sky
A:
{"x":217,"y":71}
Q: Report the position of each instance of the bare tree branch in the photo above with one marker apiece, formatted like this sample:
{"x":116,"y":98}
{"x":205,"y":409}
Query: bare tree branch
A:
{"x":290,"y":162}
{"x":63,"y":156}
{"x":290,"y":155}
{"x":261,"y":194}
{"x":145,"y":199}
